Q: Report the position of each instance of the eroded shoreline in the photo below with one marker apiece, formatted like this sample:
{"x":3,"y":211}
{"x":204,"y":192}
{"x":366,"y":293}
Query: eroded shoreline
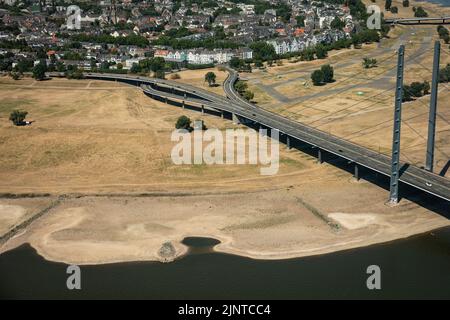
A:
{"x":269,"y":225}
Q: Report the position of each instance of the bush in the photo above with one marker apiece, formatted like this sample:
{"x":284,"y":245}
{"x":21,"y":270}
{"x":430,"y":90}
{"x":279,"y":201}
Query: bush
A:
{"x":369,"y":63}
{"x":16,"y":75}
{"x":160,"y":74}
{"x":406,"y":93}
{"x":420,"y":13}
{"x":416,"y":89}
{"x":175,"y":76}
{"x":74,"y":73}
{"x":240,"y":86}
{"x":183,"y":122}
{"x":321,"y":51}
{"x":17,"y":117}
{"x":444,"y":74}
{"x":317,"y":77}
{"x":426,"y":87}
{"x":328,"y":73}
{"x":248,"y":95}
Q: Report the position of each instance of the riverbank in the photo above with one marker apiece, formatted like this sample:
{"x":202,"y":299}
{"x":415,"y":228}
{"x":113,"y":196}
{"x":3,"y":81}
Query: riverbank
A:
{"x":278,"y":224}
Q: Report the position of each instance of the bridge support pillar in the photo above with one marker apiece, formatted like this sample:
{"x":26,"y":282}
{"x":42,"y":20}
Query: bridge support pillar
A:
{"x":433,"y":106}
{"x":203,"y":109}
{"x":356,"y":174}
{"x":235,"y":119}
{"x":395,"y":164}
{"x":319,"y":155}
{"x":182,"y":104}
{"x":221,"y":114}
{"x":165,"y":99}
{"x":288,"y":142}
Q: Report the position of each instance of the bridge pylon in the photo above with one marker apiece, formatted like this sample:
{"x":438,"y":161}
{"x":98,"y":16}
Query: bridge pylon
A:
{"x":395,"y":163}
{"x":433,"y":106}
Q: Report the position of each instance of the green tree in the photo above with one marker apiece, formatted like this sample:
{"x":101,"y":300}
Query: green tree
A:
{"x":420,"y":13}
{"x":300,"y":21}
{"x":39,"y":71}
{"x":235,"y":63}
{"x":328,"y":73}
{"x":405,"y":3}
{"x":135,"y":68}
{"x":317,"y":77}
{"x":210,"y":77}
{"x":321,"y":51}
{"x":337,"y":23}
{"x":160,"y":74}
{"x":416,"y":89}
{"x":240,"y":86}
{"x":406,"y":93}
{"x":388,"y":4}
{"x":307,"y":55}
{"x":394,"y":10}
{"x":18,"y":117}
{"x":263,"y":51}
{"x":248,"y":95}
{"x":183,"y":122}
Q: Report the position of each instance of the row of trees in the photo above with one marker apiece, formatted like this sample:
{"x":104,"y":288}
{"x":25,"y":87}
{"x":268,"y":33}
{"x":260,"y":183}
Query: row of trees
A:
{"x":156,"y":65}
{"x":242,"y":88}
{"x":240,"y":65}
{"x":322,"y":76}
{"x":108,"y":39}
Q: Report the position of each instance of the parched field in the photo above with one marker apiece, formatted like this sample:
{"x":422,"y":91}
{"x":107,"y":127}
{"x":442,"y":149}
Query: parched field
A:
{"x":90,"y":136}
{"x":197,"y":78}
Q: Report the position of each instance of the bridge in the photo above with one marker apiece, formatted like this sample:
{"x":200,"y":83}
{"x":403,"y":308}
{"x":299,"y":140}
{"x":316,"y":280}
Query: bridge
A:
{"x":418,"y":21}
{"x":235,"y":107}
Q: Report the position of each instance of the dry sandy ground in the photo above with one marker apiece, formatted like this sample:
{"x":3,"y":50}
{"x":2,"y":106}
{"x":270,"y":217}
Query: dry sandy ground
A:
{"x":286,"y":223}
{"x":197,"y":78}
{"x":90,"y":138}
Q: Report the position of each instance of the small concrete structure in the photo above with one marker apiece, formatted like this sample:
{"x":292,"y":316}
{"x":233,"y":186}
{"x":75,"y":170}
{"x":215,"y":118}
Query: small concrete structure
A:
{"x":198,"y":125}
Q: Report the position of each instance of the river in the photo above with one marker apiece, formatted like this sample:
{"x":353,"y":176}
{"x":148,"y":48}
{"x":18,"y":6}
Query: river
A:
{"x":416,"y":267}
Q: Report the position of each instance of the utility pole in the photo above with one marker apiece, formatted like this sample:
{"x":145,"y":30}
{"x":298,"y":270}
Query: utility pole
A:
{"x":395,"y":165}
{"x":433,"y":106}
